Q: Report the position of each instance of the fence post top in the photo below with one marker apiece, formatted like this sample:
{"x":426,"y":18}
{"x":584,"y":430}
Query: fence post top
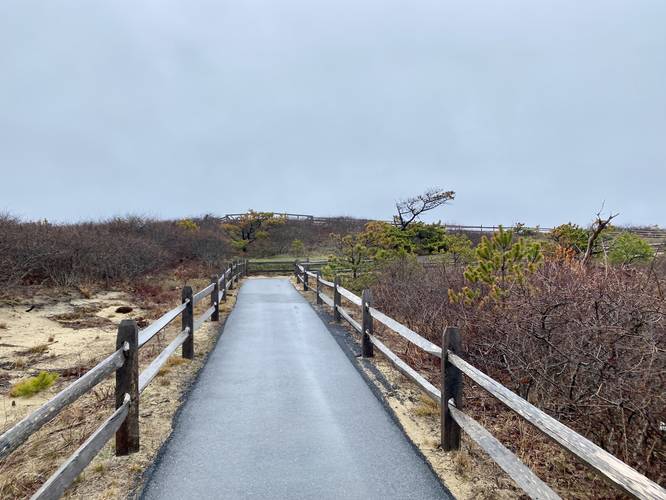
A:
{"x":451,"y":339}
{"x":187,"y":292}
{"x":366,"y":296}
{"x":128,"y":323}
{"x":336,"y":281}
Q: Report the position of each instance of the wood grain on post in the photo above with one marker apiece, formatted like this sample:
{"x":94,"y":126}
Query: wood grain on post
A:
{"x":336,"y":299}
{"x":319,"y":301}
{"x":215,"y":298}
{"x":127,"y":382}
{"x":187,"y":321}
{"x":452,"y":388}
{"x":305,"y":279}
{"x":366,"y":344}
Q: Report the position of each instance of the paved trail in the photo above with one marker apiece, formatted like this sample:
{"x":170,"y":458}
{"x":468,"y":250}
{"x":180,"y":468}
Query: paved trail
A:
{"x":280,"y":412}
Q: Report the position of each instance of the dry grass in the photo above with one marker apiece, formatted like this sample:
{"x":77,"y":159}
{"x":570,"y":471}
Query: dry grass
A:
{"x":426,"y":408}
{"x":38,"y":349}
{"x":175,"y":361}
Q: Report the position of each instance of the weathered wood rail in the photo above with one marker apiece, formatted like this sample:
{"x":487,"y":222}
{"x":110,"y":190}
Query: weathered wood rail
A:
{"x":279,"y":266}
{"x":449,"y":396}
{"x":124,"y":421}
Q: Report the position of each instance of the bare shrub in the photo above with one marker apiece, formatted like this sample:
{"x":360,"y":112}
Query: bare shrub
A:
{"x":588,"y":346}
{"x":107,"y":251}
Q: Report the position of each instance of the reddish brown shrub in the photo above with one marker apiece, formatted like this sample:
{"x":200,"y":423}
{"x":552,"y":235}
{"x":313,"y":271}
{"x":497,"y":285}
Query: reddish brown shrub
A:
{"x":588,"y":346}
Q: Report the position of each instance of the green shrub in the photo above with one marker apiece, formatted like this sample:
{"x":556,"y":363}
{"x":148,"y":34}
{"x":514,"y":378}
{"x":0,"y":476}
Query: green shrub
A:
{"x":33,"y":385}
{"x":188,"y":225}
{"x":629,"y":248}
{"x":501,"y":262}
{"x":297,"y":248}
{"x":570,"y":236}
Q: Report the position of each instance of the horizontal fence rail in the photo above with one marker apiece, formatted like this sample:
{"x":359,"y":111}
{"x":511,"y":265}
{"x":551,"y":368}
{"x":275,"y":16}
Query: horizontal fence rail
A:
{"x":55,"y":486}
{"x":158,"y":325}
{"x":124,"y":421}
{"x":449,"y":397}
{"x":280,"y":266}
{"x":15,"y":436}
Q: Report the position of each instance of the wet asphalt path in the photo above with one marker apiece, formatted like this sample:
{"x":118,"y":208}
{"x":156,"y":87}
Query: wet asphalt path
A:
{"x":280,"y":412}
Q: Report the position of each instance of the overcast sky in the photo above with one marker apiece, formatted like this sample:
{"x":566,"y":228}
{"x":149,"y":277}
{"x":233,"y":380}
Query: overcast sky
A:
{"x":532,"y":111}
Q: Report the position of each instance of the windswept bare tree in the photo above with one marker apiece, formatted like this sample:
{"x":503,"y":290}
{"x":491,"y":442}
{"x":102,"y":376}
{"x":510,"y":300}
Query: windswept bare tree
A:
{"x":410,"y":209}
{"x":597,"y":228}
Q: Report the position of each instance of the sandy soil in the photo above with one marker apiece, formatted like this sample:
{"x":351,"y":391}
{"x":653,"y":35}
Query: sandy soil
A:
{"x":68,"y":337}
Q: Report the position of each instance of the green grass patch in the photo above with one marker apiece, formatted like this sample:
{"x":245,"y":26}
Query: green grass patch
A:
{"x":33,"y":385}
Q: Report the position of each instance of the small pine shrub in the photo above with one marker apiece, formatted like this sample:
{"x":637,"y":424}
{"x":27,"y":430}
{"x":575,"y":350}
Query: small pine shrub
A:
{"x":188,"y":225}
{"x":629,"y":248}
{"x":33,"y":385}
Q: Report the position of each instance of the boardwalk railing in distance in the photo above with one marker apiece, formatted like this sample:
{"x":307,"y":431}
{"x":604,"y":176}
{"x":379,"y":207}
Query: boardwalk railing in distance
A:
{"x":124,"y":421}
{"x":278,"y":266}
{"x":449,"y":396}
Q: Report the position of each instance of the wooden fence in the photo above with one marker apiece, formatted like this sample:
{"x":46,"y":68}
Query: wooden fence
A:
{"x":449,"y":396}
{"x":124,"y":421}
{"x":279,"y":266}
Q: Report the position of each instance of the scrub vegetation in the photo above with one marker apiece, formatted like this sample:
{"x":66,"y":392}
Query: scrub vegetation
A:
{"x":574,"y":320}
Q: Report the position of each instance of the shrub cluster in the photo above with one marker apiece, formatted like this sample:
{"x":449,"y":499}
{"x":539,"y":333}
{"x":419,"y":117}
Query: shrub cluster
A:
{"x":107,"y":251}
{"x":587,"y":345}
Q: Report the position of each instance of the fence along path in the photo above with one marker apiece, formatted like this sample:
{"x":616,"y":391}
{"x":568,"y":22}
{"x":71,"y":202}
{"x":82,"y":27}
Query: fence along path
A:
{"x":124,"y":421}
{"x":453,"y":420}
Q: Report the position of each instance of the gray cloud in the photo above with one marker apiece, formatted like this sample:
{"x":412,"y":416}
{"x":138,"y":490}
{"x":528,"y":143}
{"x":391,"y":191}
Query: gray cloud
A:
{"x":531,"y":111}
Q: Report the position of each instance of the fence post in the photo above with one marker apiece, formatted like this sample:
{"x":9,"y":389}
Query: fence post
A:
{"x":223,"y":285}
{"x":215,"y":298}
{"x":231,"y":275}
{"x":336,"y":299}
{"x":127,"y":382}
{"x":366,"y":346}
{"x":319,"y":301}
{"x":187,"y":321}
{"x":305,"y":279}
{"x":452,"y":388}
